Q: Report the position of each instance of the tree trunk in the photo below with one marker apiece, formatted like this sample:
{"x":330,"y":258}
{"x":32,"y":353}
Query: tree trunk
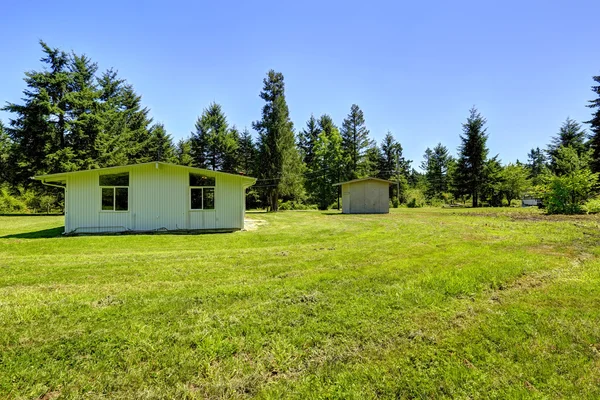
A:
{"x":475,"y":199}
{"x":274,"y":200}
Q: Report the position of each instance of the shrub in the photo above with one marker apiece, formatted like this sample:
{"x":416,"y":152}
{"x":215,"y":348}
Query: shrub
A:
{"x":295,"y":205}
{"x":592,"y":206}
{"x":10,"y":203}
{"x":415,"y":198}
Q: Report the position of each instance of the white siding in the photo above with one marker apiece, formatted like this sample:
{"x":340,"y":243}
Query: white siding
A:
{"x":158,"y":199}
{"x":365,"y":197}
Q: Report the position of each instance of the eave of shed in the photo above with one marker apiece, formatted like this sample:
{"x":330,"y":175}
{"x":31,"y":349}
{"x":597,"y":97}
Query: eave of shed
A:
{"x":62,"y":176}
{"x":365,"y":179}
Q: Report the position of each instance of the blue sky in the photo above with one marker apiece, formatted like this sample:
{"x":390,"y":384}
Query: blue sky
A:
{"x":415,"y":68}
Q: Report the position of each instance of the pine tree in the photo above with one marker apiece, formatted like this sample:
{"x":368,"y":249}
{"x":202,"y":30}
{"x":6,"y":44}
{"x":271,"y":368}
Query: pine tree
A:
{"x":355,"y":142}
{"x":247,"y":154}
{"x":229,"y":148}
{"x":213,"y":142}
{"x":307,"y":138}
{"x":136,"y":126}
{"x":39,"y":128}
{"x":278,"y":154}
{"x":85,"y":120}
{"x":435,"y":165}
{"x":472,"y":156}
{"x":492,"y":183}
{"x":327,"y":153}
{"x":536,"y":164}
{"x":570,"y":135}
{"x":113,"y":142}
{"x":5,"y":154}
{"x":183,"y":153}
{"x":595,"y":126}
{"x":159,"y":146}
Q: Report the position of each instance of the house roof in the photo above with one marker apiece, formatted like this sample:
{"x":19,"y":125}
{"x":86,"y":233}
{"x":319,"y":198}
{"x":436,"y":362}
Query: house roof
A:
{"x":61,"y":176}
{"x":365,"y":179}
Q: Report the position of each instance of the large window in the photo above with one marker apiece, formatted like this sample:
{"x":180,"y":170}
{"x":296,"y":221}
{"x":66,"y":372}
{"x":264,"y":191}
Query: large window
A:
{"x":115,"y":192}
{"x":202,"y":192}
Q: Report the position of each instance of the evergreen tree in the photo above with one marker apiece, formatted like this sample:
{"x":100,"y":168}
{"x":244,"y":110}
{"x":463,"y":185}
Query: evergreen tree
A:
{"x":84,"y":117}
{"x":159,"y":146}
{"x":247,"y":154}
{"x":473,"y":153}
{"x":213,"y":143}
{"x":5,"y":154}
{"x":278,"y":154}
{"x":229,"y":147}
{"x":435,"y":164}
{"x":570,"y":135}
{"x":327,"y":153}
{"x":307,"y":138}
{"x":136,"y":126}
{"x":355,"y":143}
{"x":492,"y":183}
{"x":595,"y":126}
{"x":536,"y":165}
{"x":183,"y":153}
{"x":372,"y":161}
{"x":39,"y":128}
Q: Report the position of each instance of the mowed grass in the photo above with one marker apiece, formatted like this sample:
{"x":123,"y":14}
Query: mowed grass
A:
{"x":427,"y":303}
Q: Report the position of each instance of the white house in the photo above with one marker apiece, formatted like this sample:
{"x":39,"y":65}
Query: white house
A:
{"x":365,"y":196}
{"x":151,"y":196}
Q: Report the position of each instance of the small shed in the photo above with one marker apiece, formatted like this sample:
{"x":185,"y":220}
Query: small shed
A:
{"x":153,"y":196}
{"x":365,"y":196}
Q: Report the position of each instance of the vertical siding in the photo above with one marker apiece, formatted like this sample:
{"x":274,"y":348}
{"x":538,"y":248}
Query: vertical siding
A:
{"x":366,"y":197}
{"x":158,"y":199}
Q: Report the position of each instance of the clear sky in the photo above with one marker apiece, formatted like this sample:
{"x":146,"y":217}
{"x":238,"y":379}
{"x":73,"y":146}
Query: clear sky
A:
{"x":414,"y":67}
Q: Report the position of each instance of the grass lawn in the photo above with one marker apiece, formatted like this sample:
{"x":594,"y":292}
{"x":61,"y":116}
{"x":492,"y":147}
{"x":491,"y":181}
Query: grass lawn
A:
{"x":420,"y":303}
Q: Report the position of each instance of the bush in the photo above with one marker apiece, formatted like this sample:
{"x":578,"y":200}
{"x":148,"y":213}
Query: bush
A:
{"x":415,"y":198}
{"x":592,"y":206}
{"x":295,"y":205}
{"x":9,"y":203}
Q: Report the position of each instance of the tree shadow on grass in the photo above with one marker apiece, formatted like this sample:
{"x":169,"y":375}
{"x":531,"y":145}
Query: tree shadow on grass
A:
{"x":43,"y":234}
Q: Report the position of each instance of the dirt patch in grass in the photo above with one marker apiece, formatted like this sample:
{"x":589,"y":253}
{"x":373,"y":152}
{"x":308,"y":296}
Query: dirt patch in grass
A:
{"x":253,"y":224}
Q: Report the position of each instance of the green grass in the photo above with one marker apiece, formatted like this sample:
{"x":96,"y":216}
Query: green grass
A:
{"x":420,"y":303}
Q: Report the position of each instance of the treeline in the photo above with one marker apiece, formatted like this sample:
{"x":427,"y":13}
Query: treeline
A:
{"x":73,"y":117}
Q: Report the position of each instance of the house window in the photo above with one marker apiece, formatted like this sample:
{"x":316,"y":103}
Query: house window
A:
{"x":114,"y":192}
{"x":202,"y":192}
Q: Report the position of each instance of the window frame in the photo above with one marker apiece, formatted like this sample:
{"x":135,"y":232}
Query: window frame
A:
{"x":114,"y":210}
{"x":202,"y":188}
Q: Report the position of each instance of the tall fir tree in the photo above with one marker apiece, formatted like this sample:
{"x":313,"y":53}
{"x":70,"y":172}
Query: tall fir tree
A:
{"x":247,"y":153}
{"x":571,"y":134}
{"x":595,"y":126}
{"x":136,"y":126}
{"x":473,"y":153}
{"x":355,"y":143}
{"x":278,"y":154}
{"x":435,"y":164}
{"x":39,"y":127}
{"x":536,"y":164}
{"x":5,"y":154}
{"x":183,"y":153}
{"x":322,"y":177}
{"x":393,"y":166}
{"x":159,"y":146}
{"x":214,"y":143}
{"x":307,"y":138}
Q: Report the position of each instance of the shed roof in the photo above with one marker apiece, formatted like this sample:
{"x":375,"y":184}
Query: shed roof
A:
{"x":61,"y":176}
{"x":365,"y":179}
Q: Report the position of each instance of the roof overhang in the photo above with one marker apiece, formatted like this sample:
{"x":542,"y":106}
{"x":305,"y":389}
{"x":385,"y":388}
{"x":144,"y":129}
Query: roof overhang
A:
{"x":247,"y":181}
{"x":365,"y":179}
